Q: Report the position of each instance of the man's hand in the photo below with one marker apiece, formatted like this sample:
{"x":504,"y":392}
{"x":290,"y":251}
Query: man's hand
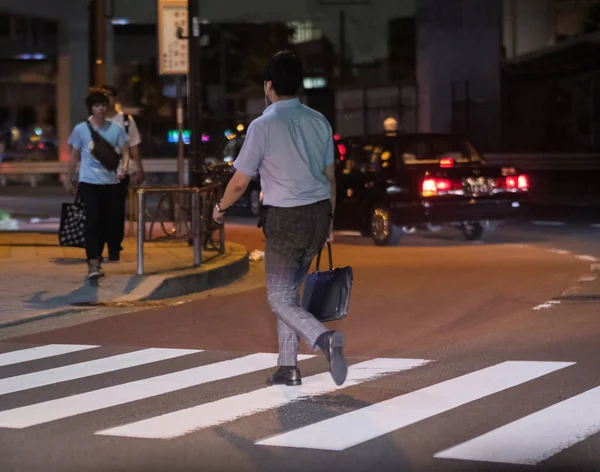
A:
{"x":122,"y":173}
{"x":218,"y":216}
{"x":69,"y":187}
{"x":330,"y":235}
{"x":234,"y":190}
{"x":137,"y":178}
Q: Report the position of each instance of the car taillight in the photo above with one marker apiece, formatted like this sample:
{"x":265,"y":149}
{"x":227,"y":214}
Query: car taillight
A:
{"x":433,"y":186}
{"x":514,"y":182}
{"x":446,"y":162}
{"x":523,"y":182}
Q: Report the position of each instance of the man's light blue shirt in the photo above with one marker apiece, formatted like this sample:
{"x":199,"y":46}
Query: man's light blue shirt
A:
{"x":90,"y":170}
{"x":289,"y":145}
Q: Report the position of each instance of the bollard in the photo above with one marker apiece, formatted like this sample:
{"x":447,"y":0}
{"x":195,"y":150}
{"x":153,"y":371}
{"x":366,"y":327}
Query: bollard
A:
{"x":196,"y":227}
{"x":141,"y":232}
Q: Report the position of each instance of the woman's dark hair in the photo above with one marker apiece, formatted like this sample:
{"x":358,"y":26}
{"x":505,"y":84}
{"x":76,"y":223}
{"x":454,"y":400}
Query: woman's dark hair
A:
{"x":286,"y":72}
{"x":95,"y":97}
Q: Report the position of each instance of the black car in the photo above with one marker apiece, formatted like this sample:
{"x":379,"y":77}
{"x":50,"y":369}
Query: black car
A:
{"x":390,"y":185}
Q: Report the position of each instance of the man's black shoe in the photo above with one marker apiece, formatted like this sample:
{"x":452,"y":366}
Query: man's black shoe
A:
{"x":286,"y":375}
{"x":332,"y":345}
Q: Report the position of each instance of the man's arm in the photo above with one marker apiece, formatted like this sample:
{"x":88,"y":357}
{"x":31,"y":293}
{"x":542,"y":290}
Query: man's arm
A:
{"x":246,"y":165}
{"x":71,"y":168}
{"x":126,"y":157}
{"x":235,"y":189}
{"x":123,"y":145}
{"x":330,"y":174}
{"x":134,"y":152}
{"x":134,"y":148}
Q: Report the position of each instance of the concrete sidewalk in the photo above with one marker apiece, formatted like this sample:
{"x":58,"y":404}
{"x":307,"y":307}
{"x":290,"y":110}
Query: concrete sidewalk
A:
{"x":39,"y":279}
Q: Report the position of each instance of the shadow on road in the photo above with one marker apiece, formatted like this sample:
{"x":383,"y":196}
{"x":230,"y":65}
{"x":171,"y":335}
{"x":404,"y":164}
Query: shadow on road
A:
{"x":309,"y":411}
{"x":87,"y":293}
{"x":69,"y":261}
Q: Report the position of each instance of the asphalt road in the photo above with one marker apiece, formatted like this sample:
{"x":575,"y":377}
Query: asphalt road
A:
{"x":461,"y":364}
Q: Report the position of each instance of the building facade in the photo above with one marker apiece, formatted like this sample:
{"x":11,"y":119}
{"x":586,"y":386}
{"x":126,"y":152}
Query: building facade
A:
{"x":459,"y":47}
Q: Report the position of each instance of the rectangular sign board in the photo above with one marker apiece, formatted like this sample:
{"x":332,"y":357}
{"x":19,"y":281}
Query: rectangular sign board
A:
{"x":172,"y":51}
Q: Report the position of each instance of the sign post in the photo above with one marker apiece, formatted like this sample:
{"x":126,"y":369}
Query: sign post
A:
{"x":173,"y":58}
{"x":195,"y":97}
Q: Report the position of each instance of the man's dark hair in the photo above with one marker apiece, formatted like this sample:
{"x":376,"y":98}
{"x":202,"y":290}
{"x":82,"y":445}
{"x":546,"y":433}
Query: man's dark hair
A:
{"x":110,"y":89}
{"x":286,"y":71}
{"x":95,"y":97}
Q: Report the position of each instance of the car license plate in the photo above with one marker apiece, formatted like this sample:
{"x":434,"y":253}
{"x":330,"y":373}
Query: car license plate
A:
{"x":477,"y":186}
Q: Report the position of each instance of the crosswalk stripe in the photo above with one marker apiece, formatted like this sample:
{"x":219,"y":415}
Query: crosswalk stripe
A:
{"x":53,"y":410}
{"x":228,"y":409}
{"x":536,"y":437}
{"x":362,"y":425}
{"x":40,"y":352}
{"x":89,"y":368}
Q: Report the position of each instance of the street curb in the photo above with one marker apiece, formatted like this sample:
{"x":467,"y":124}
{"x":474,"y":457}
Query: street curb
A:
{"x":217,"y":272}
{"x":42,"y":315}
{"x":222,"y":270}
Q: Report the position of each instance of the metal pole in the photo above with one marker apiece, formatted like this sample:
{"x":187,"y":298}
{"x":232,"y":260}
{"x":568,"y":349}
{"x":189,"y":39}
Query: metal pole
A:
{"x":592,"y":113}
{"x":222,"y":228}
{"x":342,"y":20}
{"x":205,"y":215}
{"x":417,"y":105}
{"x":196,"y":227}
{"x":99,"y":42}
{"x":179,"y":197}
{"x":141,"y":232}
{"x":467,"y":110}
{"x":180,"y":148}
{"x":132,"y":207}
{"x":195,"y":105}
{"x":453,"y":108}
{"x":365,"y":109}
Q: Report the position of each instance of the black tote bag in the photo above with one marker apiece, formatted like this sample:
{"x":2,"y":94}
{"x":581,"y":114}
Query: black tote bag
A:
{"x":71,"y":232}
{"x":327,"y":293}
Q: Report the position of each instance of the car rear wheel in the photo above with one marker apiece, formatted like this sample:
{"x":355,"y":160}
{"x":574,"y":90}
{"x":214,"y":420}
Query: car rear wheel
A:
{"x":383,"y":230}
{"x":475,"y":231}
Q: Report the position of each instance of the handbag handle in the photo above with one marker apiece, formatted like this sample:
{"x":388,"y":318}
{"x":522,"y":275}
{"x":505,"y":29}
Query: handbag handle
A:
{"x":330,"y":257}
{"x":77,"y":199}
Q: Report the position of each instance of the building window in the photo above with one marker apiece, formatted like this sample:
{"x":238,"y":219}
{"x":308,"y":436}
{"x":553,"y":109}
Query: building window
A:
{"x":305,"y":31}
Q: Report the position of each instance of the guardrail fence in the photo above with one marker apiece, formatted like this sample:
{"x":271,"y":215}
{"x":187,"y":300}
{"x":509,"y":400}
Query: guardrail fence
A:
{"x":182,"y":213}
{"x":33,"y":170}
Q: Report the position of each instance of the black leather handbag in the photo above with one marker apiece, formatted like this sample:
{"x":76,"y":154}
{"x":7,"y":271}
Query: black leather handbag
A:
{"x":327,"y":293}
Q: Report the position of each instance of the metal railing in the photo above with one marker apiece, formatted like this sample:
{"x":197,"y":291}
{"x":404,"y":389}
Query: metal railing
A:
{"x":34,"y":170}
{"x":189,"y":209}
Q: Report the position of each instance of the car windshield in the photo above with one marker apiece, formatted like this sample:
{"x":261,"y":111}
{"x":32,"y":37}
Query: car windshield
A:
{"x":431,"y":149}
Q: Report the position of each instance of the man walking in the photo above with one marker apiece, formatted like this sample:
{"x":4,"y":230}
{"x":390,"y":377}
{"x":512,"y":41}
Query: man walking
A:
{"x":291,"y":146}
{"x":98,"y":179}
